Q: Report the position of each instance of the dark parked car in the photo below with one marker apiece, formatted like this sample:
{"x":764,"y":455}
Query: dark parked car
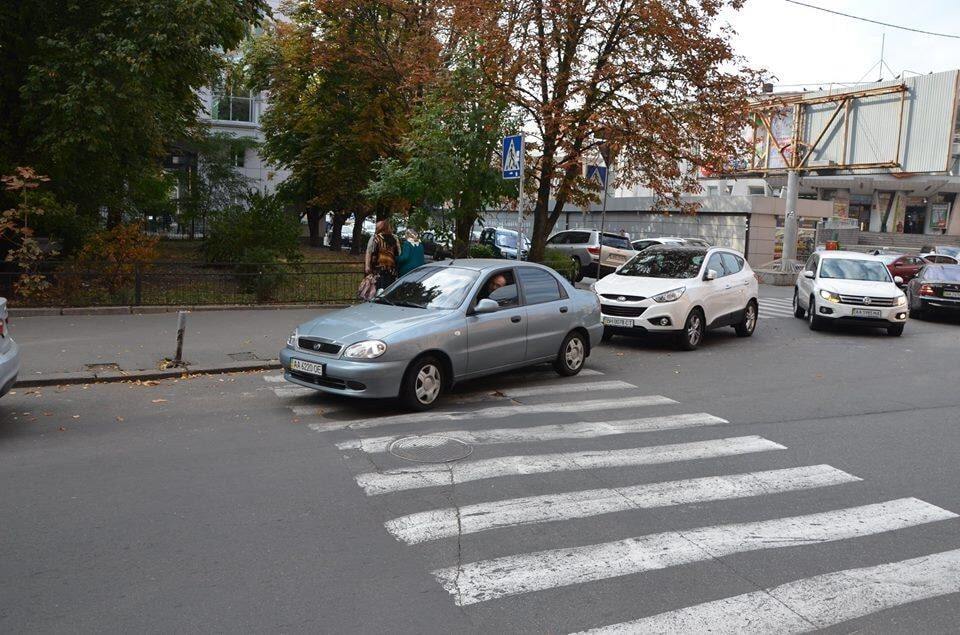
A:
{"x":503,"y":242}
{"x":935,"y":288}
{"x":907,"y":267}
{"x":437,"y":247}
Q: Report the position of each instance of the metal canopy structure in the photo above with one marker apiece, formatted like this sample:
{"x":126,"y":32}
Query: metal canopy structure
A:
{"x":902,"y":126}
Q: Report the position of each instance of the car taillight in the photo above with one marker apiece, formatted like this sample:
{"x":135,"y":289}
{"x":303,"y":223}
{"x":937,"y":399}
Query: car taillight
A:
{"x":926,"y":289}
{"x":593,"y":251}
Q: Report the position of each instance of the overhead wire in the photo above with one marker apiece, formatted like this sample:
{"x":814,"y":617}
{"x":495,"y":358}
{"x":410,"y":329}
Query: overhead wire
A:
{"x":862,"y":19}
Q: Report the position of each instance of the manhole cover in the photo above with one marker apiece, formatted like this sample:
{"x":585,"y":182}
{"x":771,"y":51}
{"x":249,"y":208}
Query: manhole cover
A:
{"x":430,"y":449}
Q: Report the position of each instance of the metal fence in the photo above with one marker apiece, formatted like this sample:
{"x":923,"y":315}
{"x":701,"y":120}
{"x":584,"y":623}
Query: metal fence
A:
{"x":185,"y":284}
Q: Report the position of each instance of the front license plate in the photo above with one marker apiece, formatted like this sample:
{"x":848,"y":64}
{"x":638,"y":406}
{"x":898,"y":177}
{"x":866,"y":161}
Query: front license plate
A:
{"x":613,"y":321}
{"x":310,"y":368}
{"x":951,"y":294}
{"x":875,"y":313}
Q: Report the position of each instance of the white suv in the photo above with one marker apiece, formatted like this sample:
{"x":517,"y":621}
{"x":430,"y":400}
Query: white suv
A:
{"x":849,"y":287}
{"x":679,"y":289}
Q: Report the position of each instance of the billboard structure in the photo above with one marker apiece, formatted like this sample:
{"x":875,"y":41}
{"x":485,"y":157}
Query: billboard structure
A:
{"x":905,"y":126}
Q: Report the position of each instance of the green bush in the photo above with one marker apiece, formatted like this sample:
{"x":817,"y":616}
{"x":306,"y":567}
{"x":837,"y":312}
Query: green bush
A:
{"x":559,"y":262}
{"x":263,"y":232}
{"x":63,"y":225}
{"x":482,"y":251}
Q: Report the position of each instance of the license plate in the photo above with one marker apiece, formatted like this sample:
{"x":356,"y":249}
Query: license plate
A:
{"x":867,"y":312}
{"x":951,"y":294}
{"x":310,"y":368}
{"x":614,"y":321}
{"x":618,"y":257}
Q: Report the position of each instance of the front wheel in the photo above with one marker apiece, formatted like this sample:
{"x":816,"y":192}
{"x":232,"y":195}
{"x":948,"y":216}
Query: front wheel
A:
{"x":572,"y":355}
{"x":692,"y":334}
{"x":749,"y":323}
{"x":895,"y":330}
{"x":422,"y":384}
{"x":815,"y":322}
{"x":798,"y":311}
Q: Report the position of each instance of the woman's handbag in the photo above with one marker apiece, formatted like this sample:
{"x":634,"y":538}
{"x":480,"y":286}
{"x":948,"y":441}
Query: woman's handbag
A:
{"x":368,"y":287}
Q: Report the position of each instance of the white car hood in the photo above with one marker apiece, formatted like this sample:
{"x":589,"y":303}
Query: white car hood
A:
{"x":861,"y":287}
{"x":616,"y":284}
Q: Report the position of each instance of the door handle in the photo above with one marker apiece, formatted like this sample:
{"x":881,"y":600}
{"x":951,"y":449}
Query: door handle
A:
{"x":515,"y":319}
{"x":563,"y":309}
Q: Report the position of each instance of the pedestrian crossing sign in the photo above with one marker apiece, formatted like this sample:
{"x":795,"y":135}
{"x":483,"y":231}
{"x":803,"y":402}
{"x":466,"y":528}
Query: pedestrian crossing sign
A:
{"x":511,"y":156}
{"x":597,"y":174}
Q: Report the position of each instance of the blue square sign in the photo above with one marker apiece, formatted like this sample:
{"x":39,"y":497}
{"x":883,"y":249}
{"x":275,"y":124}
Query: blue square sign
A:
{"x":511,"y":156}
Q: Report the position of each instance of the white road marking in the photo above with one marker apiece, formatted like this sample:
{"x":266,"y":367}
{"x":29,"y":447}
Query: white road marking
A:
{"x":563,"y":388}
{"x":811,"y":603}
{"x":293,"y":391}
{"x":581,"y":430}
{"x":468,"y":519}
{"x":513,"y":575}
{"x":415,"y":477}
{"x":274,"y":379}
{"x":776,"y":308}
{"x":495,"y":412}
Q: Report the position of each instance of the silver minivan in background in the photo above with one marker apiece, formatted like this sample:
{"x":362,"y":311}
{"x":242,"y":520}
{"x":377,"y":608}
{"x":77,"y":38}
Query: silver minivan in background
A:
{"x":582,"y":246}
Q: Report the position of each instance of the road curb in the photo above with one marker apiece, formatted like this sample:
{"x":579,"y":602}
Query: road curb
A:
{"x":145,"y":310}
{"x":62,"y":379}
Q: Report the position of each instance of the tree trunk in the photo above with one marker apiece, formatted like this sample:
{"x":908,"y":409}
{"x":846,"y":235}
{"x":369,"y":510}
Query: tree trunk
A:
{"x":313,"y":223}
{"x":461,"y":235}
{"x":114,"y":216}
{"x":336,"y":240}
{"x":356,"y":247}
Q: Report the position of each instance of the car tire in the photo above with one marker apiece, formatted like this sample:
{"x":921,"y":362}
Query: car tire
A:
{"x":798,"y":311}
{"x":572,"y":355}
{"x":423,"y":383}
{"x":813,"y":321}
{"x":576,"y":271}
{"x":607,"y":335}
{"x":895,"y":330}
{"x":748,"y":325}
{"x":693,"y":329}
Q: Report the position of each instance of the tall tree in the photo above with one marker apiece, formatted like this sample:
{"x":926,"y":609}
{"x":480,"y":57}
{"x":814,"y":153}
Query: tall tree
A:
{"x":90,"y":92}
{"x":343,"y":77}
{"x":657,"y":78}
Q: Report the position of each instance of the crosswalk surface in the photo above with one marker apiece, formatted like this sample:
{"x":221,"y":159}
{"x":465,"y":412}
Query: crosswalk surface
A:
{"x":512,"y":444}
{"x":775,"y":308}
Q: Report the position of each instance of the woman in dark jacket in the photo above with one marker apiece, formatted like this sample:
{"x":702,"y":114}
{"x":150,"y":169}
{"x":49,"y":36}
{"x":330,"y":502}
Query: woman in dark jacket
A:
{"x":383,"y":249}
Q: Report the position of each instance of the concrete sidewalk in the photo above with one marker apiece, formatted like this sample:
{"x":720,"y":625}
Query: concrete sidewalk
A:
{"x":73,"y":348}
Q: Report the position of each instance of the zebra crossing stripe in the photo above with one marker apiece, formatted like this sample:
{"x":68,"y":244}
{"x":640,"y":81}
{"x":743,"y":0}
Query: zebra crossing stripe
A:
{"x":293,"y":391}
{"x":485,"y":580}
{"x":581,"y":430}
{"x":811,"y":603}
{"x":469,"y":519}
{"x":416,"y":477}
{"x":496,"y":412}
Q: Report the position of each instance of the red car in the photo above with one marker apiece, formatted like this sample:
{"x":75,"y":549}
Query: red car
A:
{"x":907,"y":267}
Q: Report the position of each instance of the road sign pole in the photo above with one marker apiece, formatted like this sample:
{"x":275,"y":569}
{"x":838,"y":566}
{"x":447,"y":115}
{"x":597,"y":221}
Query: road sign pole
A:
{"x":603,"y":222}
{"x":790,"y":223}
{"x":520,"y":202}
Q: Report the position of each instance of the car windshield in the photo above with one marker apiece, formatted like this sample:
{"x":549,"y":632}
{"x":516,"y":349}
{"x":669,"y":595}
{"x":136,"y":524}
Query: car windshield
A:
{"x":430,"y":288}
{"x":510,"y":240}
{"x":851,"y":269}
{"x":942,"y":273}
{"x":665,"y":263}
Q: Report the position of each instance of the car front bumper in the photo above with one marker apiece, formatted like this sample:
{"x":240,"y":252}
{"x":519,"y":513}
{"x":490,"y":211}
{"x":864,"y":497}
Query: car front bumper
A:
{"x":851,"y":313}
{"x":370,"y":379}
{"x":9,"y":368}
{"x":657,"y":317}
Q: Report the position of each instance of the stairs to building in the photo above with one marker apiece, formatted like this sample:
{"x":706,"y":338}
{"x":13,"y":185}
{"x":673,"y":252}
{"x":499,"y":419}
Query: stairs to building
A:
{"x":905,"y":241}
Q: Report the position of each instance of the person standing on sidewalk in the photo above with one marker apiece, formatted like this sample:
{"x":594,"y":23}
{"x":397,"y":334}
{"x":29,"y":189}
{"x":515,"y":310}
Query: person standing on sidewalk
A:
{"x":383,"y":249}
{"x":411,"y":253}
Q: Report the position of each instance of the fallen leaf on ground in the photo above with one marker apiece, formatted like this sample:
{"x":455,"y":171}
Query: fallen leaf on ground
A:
{"x":47,"y":414}
{"x":76,"y":416}
{"x":159,"y":401}
{"x":62,"y":429}
{"x":120,"y":419}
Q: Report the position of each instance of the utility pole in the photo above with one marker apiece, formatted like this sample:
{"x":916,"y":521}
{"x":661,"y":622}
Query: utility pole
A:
{"x":790,"y":222}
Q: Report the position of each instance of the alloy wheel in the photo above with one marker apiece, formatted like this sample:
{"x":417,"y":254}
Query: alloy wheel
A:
{"x":573,"y":355}
{"x":427,"y":387}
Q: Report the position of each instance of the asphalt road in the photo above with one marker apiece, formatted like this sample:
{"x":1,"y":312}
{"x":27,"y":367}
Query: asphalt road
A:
{"x":225,"y":504}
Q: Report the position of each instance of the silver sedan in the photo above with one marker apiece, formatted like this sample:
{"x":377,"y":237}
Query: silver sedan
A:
{"x":443,"y":323}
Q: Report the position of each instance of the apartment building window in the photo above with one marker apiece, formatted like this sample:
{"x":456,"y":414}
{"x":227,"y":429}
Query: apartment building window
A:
{"x":755,"y":190}
{"x":712,"y":190}
{"x":239,"y":158}
{"x":232,"y":106}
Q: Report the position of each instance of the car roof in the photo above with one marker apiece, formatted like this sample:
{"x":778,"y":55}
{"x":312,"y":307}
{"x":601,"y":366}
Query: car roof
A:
{"x":484,"y":264}
{"x":851,"y":255}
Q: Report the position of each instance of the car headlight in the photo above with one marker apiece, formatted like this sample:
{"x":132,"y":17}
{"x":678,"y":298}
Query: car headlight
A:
{"x":671,"y":295}
{"x":829,"y":296}
{"x":368,"y":349}
{"x":901,"y":300}
{"x":292,"y":340}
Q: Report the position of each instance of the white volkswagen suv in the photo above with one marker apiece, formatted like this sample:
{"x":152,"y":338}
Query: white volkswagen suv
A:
{"x":849,"y":287}
{"x":679,"y":289}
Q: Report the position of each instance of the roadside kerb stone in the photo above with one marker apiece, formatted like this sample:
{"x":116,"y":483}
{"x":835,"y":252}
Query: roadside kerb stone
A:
{"x":147,"y":310}
{"x":60,"y":379}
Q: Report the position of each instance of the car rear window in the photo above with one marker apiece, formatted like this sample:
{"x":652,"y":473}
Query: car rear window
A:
{"x":617,"y":242}
{"x":944,"y":273}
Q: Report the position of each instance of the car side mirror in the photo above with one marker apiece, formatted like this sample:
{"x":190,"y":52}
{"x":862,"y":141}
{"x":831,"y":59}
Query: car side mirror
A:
{"x":379,"y":292}
{"x":710,"y":275}
{"x":809,"y":274}
{"x":898,"y":280}
{"x":486,"y":305}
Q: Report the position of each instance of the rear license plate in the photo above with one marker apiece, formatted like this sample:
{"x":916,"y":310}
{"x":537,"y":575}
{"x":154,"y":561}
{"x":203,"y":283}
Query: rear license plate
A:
{"x":613,"y":321}
{"x":951,"y":294}
{"x":875,"y":313}
{"x":310,"y":368}
{"x":618,"y":257}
